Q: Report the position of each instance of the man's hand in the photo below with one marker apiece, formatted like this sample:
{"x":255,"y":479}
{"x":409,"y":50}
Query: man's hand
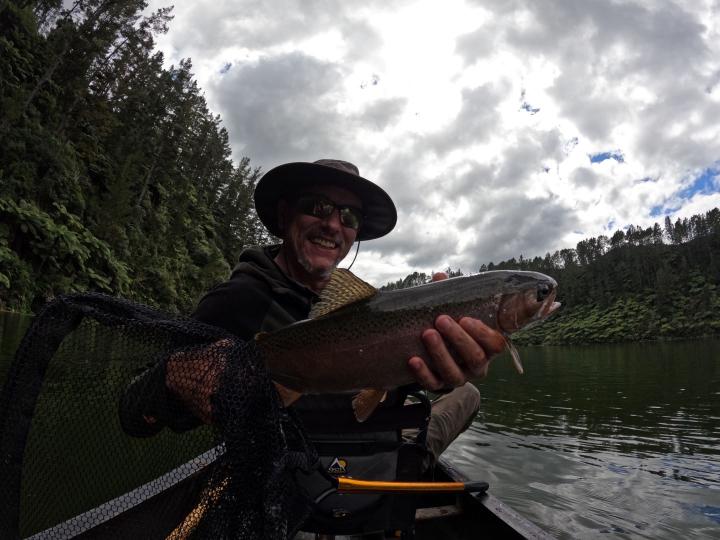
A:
{"x":194,"y":376}
{"x":472,"y":343}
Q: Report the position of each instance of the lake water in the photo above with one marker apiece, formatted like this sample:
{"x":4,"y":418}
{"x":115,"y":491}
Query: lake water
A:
{"x":617,"y":441}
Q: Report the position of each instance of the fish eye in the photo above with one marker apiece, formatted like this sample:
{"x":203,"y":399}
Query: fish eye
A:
{"x":543,"y":291}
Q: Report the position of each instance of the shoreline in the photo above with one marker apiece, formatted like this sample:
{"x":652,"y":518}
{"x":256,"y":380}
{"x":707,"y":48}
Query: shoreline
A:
{"x":7,"y":312}
{"x":624,"y":342}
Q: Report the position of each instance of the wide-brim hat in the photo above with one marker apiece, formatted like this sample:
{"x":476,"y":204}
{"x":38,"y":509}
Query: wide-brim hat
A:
{"x":379,"y":213}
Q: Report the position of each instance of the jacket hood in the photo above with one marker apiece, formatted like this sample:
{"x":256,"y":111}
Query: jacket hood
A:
{"x":259,"y":262}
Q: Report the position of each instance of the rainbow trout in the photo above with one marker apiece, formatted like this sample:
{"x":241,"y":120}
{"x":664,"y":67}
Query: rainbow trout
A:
{"x":358,"y":338}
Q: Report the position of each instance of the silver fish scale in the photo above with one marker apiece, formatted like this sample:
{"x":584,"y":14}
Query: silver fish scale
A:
{"x":369,"y":342}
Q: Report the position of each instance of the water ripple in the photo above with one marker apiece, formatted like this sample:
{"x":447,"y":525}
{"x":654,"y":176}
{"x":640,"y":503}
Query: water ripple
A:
{"x":612,"y":440}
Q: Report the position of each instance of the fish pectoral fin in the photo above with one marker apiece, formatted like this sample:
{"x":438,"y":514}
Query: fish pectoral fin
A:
{"x":515,"y":355}
{"x":287,"y":395}
{"x":366,"y":401}
{"x":343,"y":289}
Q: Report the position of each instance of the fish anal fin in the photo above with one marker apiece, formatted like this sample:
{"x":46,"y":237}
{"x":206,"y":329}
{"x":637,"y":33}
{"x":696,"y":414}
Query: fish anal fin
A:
{"x":343,"y":289}
{"x":287,"y":395}
{"x":366,"y":401}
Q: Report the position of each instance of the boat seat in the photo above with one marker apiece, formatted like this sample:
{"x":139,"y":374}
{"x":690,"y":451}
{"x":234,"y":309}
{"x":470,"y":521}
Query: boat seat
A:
{"x":371,"y":450}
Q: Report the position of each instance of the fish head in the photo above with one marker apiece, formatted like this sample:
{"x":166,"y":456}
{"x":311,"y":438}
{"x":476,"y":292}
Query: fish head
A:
{"x":528,"y":302}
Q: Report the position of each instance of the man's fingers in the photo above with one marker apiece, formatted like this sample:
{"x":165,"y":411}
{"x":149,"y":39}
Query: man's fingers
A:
{"x":423,"y":375}
{"x":458,"y":351}
{"x":491,"y":341}
{"x":444,"y":365}
{"x":469,"y":353}
{"x":194,"y":376}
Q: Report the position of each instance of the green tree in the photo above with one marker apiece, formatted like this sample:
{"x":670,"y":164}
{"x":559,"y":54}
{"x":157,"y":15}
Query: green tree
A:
{"x":114,"y":174}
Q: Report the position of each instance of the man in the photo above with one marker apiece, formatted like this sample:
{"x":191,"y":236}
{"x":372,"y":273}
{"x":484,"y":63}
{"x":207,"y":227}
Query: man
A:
{"x":318,"y":210}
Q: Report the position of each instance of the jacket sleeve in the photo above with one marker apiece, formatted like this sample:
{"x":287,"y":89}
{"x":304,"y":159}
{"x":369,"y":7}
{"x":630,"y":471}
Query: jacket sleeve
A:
{"x":147,"y":405}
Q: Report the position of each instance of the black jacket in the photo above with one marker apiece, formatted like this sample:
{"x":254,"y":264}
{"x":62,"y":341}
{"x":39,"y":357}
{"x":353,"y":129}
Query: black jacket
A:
{"x":259,"y":296}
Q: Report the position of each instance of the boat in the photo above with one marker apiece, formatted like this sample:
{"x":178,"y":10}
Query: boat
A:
{"x":154,"y":510}
{"x":470,"y":516}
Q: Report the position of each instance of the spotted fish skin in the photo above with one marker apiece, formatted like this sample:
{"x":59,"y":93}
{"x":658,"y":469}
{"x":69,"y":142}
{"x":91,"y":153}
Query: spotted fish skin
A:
{"x":359,"y":338}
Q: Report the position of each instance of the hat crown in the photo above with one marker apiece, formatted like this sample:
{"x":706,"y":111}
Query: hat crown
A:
{"x":339,"y":164}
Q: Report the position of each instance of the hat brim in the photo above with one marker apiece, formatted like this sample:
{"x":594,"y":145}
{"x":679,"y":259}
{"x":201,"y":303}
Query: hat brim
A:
{"x":379,"y":211}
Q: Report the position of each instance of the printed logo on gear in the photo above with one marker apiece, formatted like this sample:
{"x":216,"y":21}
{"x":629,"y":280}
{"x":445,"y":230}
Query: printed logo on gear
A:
{"x":338,"y":466}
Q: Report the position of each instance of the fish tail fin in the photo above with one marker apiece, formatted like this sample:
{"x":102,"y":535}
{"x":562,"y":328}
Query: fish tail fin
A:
{"x":366,"y":401}
{"x":287,"y":395}
{"x":515,"y":355}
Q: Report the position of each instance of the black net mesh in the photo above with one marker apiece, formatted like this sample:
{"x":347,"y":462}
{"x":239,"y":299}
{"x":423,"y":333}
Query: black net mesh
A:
{"x":93,"y":445}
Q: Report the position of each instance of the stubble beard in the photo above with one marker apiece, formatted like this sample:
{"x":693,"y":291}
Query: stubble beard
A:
{"x":304,"y":261}
{"x":316,"y":272}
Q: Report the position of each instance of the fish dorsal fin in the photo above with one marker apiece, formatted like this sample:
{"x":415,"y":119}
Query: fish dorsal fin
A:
{"x":344,"y":288}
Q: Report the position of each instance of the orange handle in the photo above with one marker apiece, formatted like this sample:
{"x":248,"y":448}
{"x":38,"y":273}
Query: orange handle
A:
{"x":350,"y":485}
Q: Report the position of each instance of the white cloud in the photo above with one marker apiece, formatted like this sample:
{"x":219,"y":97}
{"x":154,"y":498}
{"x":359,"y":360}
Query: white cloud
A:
{"x":477,"y":116}
{"x":282,"y":108}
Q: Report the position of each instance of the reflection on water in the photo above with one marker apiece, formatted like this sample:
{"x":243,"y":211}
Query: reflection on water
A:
{"x":595,"y":442}
{"x":618,"y":439}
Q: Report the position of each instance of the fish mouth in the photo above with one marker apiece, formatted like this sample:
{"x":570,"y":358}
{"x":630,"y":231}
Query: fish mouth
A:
{"x":543,"y":305}
{"x":546,"y":294}
{"x":550,"y":308}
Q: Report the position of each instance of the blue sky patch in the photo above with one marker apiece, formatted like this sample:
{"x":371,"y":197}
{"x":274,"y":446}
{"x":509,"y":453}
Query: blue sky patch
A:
{"x":704,"y":183}
{"x":661,"y":211}
{"x":602,"y":156}
{"x":708,"y":181}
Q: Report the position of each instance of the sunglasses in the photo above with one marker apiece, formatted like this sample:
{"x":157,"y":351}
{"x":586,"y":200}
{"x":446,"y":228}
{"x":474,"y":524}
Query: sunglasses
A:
{"x":322,"y":208}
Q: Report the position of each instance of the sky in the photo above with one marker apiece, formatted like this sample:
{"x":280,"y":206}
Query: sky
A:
{"x":500,"y":128}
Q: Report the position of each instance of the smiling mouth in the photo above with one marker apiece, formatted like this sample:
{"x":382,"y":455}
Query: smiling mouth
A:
{"x":324,"y":243}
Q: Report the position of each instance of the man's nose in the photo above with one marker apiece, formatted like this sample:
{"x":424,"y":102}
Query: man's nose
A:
{"x":333,"y":220}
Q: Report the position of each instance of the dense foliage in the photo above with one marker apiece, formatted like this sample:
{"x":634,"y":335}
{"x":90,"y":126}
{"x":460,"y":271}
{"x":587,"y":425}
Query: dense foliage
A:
{"x":639,"y":284}
{"x":114,"y":175}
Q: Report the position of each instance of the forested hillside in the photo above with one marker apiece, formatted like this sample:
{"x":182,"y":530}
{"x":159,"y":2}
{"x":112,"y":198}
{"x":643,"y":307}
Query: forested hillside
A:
{"x":640,"y":284}
{"x":114,"y":175}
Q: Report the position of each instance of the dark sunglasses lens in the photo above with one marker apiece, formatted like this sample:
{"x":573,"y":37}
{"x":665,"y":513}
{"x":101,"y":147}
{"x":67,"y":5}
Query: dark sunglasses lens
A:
{"x":322,"y":208}
{"x":350,"y":218}
{"x":312,"y":206}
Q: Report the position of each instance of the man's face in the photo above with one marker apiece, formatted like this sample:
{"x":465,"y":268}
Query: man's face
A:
{"x":319,"y":244}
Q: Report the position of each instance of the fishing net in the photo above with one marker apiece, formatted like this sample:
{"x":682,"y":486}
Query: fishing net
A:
{"x":80,"y":458}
